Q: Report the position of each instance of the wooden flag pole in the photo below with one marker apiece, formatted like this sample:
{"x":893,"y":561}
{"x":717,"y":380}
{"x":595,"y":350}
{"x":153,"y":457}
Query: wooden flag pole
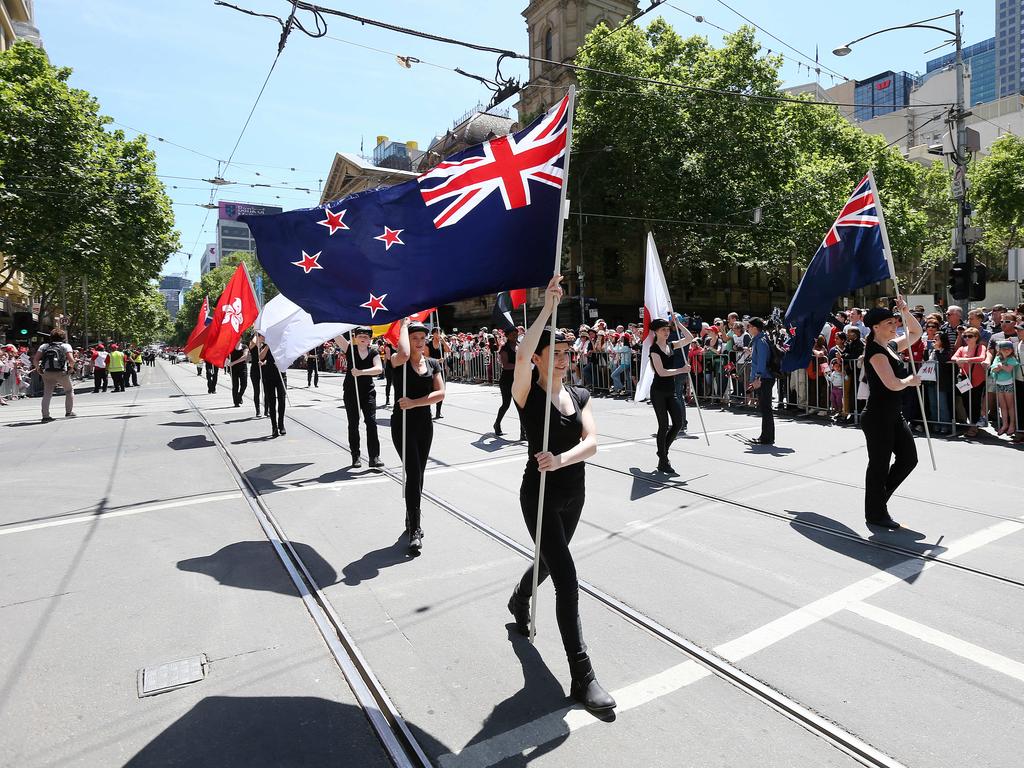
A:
{"x":903,"y":313}
{"x":551,"y":363}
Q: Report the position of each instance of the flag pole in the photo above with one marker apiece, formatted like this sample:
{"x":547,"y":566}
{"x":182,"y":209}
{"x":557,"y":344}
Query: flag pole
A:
{"x":689,"y":378}
{"x":903,"y":313}
{"x":355,"y":383}
{"x":551,"y":363}
{"x":405,"y":429}
{"x":280,"y":375}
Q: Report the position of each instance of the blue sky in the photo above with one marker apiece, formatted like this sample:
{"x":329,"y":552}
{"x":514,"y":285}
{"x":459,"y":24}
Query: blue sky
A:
{"x":188,"y":71}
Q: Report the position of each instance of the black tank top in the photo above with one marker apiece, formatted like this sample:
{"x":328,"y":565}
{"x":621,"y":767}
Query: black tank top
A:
{"x":236,"y":354}
{"x":269,"y":367}
{"x":420,"y":384}
{"x":662,"y":383}
{"x":363,"y":364}
{"x":881,"y":399}
{"x":566,"y":432}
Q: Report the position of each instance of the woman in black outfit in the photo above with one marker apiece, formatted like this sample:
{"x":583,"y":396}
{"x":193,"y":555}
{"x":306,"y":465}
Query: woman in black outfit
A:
{"x":366,"y":366}
{"x":572,"y":440}
{"x":663,"y":388}
{"x":273,"y":388}
{"x":507,"y":360}
{"x":386,"y":351}
{"x":418,"y":385}
{"x":254,"y":375}
{"x":438,"y":348}
{"x":239,"y":359}
{"x":885,"y":430}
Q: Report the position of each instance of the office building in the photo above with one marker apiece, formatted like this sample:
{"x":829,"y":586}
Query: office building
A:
{"x":233,"y":235}
{"x":1009,"y":47}
{"x":17,"y":22}
{"x":884,"y":93}
{"x":980,"y":61}
{"x":210,"y":259}
{"x":172,"y":287}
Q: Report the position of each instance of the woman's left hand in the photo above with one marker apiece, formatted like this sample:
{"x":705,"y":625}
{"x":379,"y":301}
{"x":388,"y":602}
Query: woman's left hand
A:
{"x":405,"y":403}
{"x":547,"y":461}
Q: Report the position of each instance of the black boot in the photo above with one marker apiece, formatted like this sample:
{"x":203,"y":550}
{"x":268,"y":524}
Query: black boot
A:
{"x":585,"y":688}
{"x":520,"y":610}
{"x":497,"y":430}
{"x":412,"y":526}
{"x":356,"y":461}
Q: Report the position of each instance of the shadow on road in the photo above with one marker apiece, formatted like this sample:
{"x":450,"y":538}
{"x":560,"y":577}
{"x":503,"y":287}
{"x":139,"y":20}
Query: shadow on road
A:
{"x":254,"y":565}
{"x":188,"y":442}
{"x":265,"y":476}
{"x":372,"y":563}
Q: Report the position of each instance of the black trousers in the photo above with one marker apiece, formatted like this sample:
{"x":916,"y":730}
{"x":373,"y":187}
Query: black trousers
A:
{"x":135,"y":375}
{"x":312,"y":373}
{"x":128,"y":367}
{"x":254,"y":377}
{"x":562,"y":509}
{"x":368,"y":405}
{"x":99,"y":377}
{"x":670,"y":419}
{"x":505,"y":386}
{"x":437,"y":412}
{"x":973,"y":400}
{"x":274,"y":398}
{"x":389,"y":377}
{"x":417,"y":451}
{"x":887,"y":436}
{"x":118,"y":377}
{"x":764,"y":405}
{"x":211,"y":378}
{"x":238,"y":383}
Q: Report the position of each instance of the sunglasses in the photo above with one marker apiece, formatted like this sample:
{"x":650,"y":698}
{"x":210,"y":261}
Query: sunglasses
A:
{"x":932,"y":325}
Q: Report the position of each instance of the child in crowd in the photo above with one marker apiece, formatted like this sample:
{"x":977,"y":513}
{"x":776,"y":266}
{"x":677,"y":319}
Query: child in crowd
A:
{"x":835,"y":380}
{"x":1002,"y":372}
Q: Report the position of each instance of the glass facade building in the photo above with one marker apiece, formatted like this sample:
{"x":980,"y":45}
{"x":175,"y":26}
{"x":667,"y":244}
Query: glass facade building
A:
{"x":1009,"y":47}
{"x":981,"y":59}
{"x":882,"y":94}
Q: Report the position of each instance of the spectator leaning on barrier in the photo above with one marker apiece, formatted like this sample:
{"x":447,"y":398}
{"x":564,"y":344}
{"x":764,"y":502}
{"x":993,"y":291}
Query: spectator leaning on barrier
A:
{"x":953,"y":328}
{"x":972,"y":359}
{"x":55,"y":360}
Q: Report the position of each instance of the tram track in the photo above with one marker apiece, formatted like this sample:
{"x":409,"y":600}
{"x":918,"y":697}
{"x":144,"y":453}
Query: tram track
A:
{"x":386,"y":721}
{"x":817,"y":724}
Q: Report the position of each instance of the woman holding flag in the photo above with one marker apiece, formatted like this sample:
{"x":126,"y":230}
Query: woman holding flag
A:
{"x":885,"y":430}
{"x":572,"y":440}
{"x":418,"y":385}
{"x":663,"y":388}
{"x":364,"y":364}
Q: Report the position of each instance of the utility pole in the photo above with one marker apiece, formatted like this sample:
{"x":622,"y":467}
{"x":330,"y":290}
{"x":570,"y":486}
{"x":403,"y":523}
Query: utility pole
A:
{"x":960,"y":150}
{"x":583,"y":299}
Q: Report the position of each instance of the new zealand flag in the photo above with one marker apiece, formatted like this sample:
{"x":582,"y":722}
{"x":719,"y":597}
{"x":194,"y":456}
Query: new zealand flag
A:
{"x":482,"y":221}
{"x":852,"y":256}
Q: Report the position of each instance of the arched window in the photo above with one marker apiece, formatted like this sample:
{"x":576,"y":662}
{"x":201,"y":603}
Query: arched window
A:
{"x":549,"y":44}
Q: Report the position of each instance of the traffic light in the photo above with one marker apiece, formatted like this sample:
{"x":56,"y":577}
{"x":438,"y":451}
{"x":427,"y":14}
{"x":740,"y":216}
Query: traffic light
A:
{"x":960,"y":281}
{"x":978,"y":279}
{"x":23,"y":325}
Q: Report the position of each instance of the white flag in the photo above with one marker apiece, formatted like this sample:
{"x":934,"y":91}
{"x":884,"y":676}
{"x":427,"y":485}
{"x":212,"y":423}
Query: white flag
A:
{"x":656,"y":304}
{"x":291,"y":332}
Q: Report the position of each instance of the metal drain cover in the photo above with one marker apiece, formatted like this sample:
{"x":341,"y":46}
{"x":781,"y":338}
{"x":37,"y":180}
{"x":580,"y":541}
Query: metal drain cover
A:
{"x":172,"y":675}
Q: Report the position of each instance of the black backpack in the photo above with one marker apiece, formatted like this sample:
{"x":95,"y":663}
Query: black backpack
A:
{"x":55,"y":358}
{"x":776,"y":353}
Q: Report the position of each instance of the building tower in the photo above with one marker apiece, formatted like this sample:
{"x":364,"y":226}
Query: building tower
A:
{"x":1009,"y":47}
{"x":557,"y":29}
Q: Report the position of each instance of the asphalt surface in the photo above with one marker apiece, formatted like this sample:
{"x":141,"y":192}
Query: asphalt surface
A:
{"x":126,"y":543}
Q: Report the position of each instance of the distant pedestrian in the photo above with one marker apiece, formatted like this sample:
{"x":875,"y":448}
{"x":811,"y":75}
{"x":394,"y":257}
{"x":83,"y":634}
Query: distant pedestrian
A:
{"x":254,"y":373}
{"x":237,"y":363}
{"x":100,"y":374}
{"x":137,"y":364}
{"x":55,"y":360}
{"x":273,"y":388}
{"x":763,"y":379}
{"x":438,"y":348}
{"x":312,"y":369}
{"x":211,"y":378}
{"x":116,"y":366}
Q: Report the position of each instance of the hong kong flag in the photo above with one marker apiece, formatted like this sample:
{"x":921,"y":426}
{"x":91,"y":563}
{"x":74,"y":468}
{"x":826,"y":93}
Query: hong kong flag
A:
{"x":236,"y":310}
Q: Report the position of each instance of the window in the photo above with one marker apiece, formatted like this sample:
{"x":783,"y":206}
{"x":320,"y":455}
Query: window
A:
{"x":549,"y":44}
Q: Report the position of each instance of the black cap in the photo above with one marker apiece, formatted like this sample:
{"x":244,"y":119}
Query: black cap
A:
{"x":545,"y":340}
{"x":417,"y":328}
{"x":877,"y":315}
{"x":658,"y":322}
{"x":361,"y":330}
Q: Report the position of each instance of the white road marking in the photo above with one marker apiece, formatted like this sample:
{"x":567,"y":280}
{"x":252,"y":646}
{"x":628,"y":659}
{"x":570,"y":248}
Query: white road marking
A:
{"x":519,"y":741}
{"x":939,"y":639}
{"x":136,"y":510}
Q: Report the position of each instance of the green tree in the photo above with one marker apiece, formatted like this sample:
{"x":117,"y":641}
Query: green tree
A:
{"x":212,"y":285}
{"x":997,"y":190}
{"x":76,"y":201}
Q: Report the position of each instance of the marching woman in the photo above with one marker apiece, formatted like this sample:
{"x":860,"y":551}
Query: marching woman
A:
{"x":273,"y":387}
{"x":572,"y":440}
{"x":507,"y":360}
{"x":385,"y":351}
{"x":254,"y":375}
{"x":439,"y":349}
{"x":364,"y":364}
{"x":418,"y":385}
{"x":663,"y":388}
{"x":885,"y":430}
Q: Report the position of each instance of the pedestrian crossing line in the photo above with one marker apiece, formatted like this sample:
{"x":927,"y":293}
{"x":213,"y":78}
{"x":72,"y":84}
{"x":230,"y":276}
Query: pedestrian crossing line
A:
{"x":962,"y":648}
{"x":134,"y":510}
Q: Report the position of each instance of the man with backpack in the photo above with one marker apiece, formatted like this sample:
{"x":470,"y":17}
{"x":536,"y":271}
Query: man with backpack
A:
{"x":763,"y":370}
{"x":55,"y":360}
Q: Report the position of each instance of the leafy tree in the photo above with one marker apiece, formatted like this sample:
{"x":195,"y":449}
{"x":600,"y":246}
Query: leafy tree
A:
{"x":997,"y":190}
{"x":76,"y":201}
{"x":212,"y":284}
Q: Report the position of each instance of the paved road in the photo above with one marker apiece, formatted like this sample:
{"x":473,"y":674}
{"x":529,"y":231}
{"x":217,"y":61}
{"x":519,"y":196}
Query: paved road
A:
{"x":127,"y":543}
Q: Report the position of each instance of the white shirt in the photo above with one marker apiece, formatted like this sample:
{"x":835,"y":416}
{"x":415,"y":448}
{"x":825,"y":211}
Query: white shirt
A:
{"x":101,"y":360}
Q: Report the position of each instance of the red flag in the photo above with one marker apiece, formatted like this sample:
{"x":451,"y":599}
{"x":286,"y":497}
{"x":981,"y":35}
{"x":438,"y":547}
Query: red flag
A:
{"x":518,"y":297}
{"x":194,"y":346}
{"x":236,"y":310}
{"x":393,"y":331}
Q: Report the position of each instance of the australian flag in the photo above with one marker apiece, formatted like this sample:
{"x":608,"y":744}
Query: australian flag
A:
{"x":852,"y":256}
{"x":482,"y":221}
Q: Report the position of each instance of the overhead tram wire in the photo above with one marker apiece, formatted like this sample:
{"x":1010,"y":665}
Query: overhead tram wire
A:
{"x":319,"y":11}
